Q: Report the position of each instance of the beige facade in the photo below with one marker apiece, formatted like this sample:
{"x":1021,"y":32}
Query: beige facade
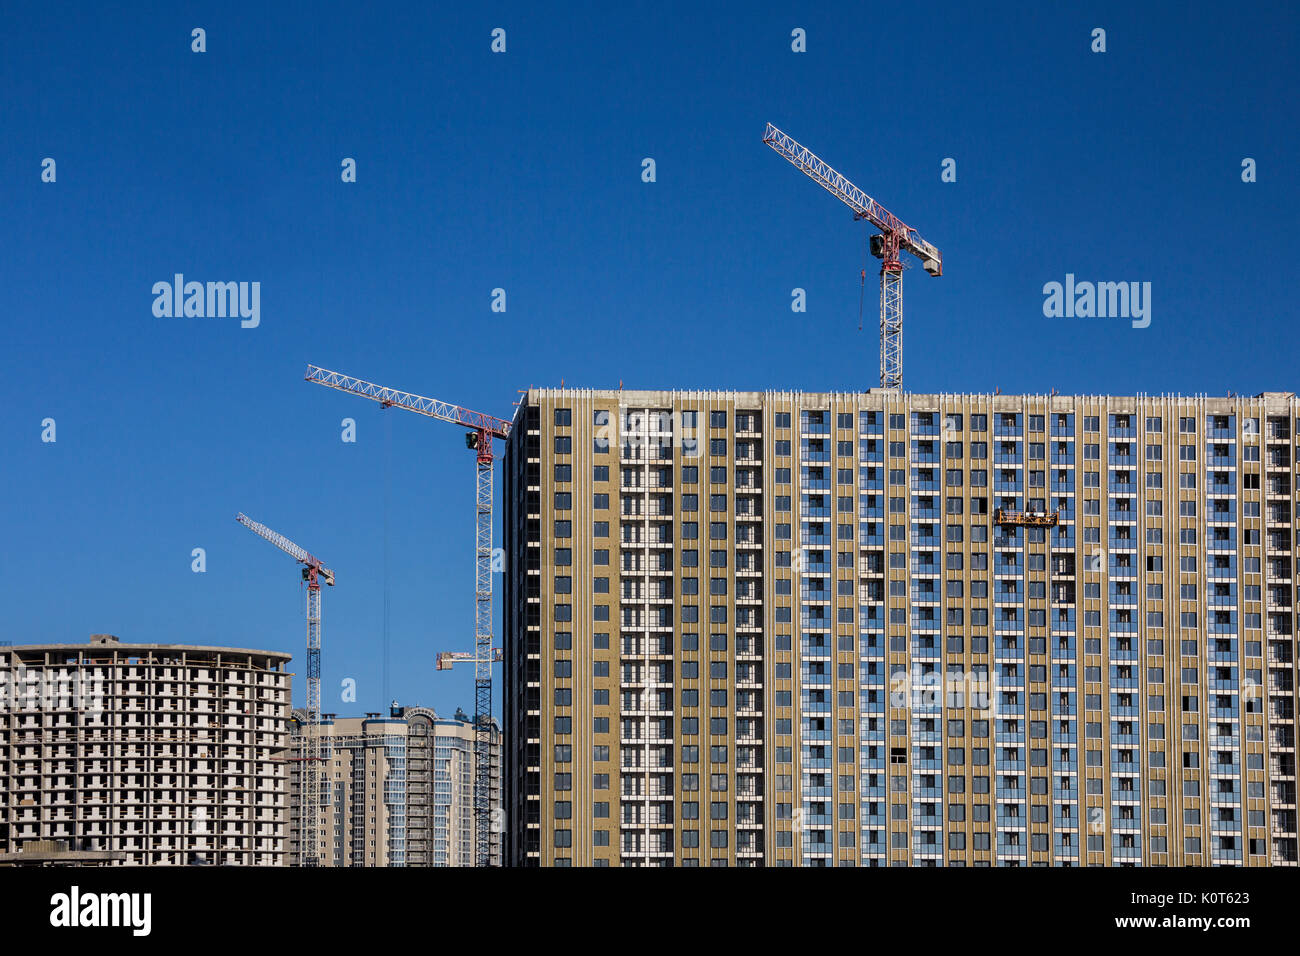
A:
{"x":399,"y":789}
{"x":145,"y":753}
{"x":780,"y":628}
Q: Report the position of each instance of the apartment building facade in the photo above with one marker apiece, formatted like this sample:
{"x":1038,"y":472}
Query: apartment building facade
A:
{"x":879,"y":628}
{"x":145,"y":754}
{"x":399,"y":790}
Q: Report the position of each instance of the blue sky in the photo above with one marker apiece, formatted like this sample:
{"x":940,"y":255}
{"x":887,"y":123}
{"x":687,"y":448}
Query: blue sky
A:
{"x":522,"y":171}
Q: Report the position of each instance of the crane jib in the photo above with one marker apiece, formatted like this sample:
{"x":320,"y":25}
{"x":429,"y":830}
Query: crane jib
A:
{"x":863,"y":206}
{"x":391,"y":397}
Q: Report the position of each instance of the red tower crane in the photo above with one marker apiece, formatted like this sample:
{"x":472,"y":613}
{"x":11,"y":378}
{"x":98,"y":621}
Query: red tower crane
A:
{"x":481,"y":430}
{"x":313,"y":572}
{"x":895,"y":238}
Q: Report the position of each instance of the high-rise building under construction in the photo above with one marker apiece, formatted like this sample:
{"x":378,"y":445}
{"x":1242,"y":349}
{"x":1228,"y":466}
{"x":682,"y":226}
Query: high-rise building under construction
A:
{"x":776,"y":628}
{"x":144,"y":754}
{"x":398,"y":790}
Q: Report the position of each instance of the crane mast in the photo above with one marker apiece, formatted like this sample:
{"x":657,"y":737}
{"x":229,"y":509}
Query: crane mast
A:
{"x":481,"y":430}
{"x":895,"y":237}
{"x":313,"y":573}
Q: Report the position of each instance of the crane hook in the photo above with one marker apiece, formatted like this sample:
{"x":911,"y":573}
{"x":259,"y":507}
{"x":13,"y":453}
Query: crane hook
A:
{"x":862,"y":298}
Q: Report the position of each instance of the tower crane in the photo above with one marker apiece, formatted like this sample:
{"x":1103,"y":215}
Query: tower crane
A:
{"x":481,"y":430}
{"x":895,"y":238}
{"x":313,"y":572}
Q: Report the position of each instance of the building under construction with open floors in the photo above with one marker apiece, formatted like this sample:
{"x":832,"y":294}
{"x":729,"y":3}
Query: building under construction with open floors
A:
{"x":145,"y":753}
{"x":398,"y":790}
{"x":775,"y":628}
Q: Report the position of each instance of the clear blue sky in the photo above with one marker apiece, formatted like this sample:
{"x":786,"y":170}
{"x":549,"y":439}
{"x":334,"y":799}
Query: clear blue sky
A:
{"x":523,"y":171}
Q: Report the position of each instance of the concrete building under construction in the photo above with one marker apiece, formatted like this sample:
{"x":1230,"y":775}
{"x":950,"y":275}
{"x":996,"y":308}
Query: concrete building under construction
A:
{"x":144,"y":753}
{"x":881,"y":628}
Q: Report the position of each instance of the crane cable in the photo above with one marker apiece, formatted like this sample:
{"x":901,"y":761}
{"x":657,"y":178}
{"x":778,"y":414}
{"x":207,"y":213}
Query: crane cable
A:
{"x":862,"y":294}
{"x":388,"y":493}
